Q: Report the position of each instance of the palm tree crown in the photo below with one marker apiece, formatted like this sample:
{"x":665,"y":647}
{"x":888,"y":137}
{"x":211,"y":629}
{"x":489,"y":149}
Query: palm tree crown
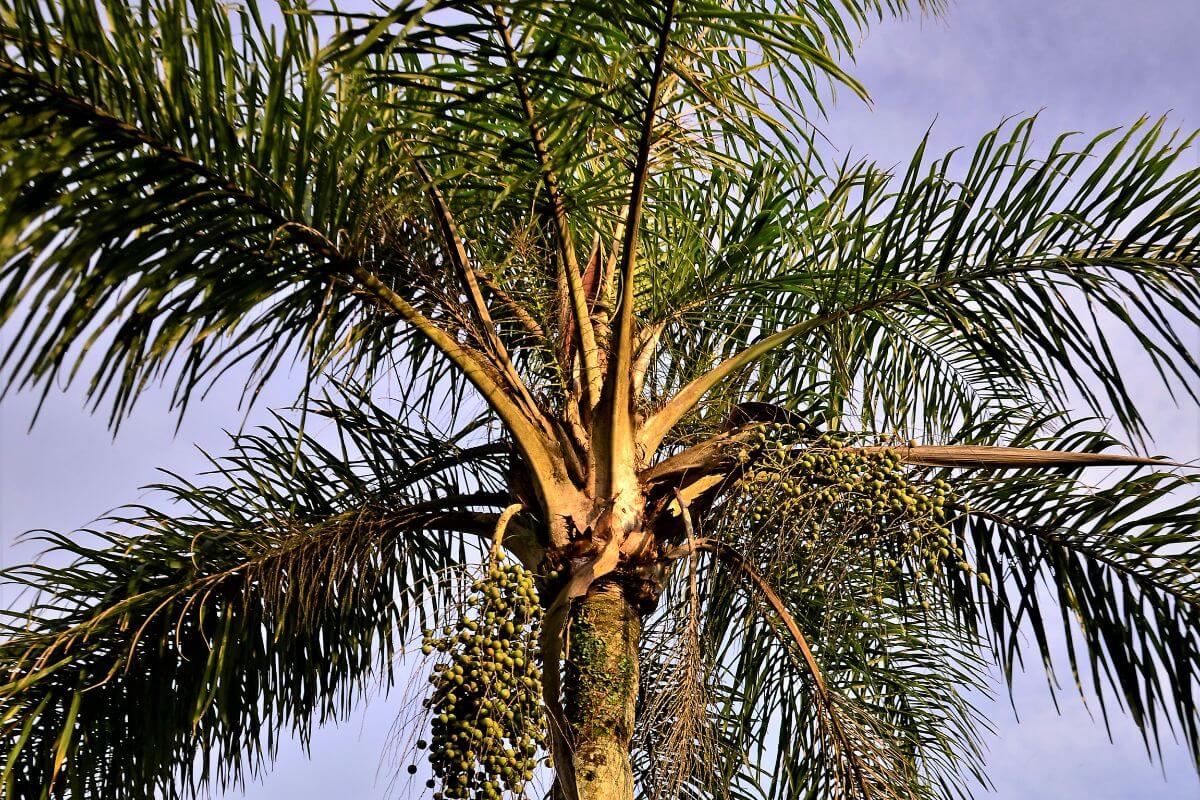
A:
{"x":789,"y":448}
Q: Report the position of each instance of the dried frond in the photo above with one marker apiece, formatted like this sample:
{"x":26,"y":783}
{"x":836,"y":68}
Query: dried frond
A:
{"x":675,"y":723}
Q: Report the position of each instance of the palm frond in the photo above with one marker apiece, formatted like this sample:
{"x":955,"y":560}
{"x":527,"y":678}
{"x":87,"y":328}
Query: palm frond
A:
{"x":930,"y":297}
{"x":263,"y":602}
{"x":1115,"y":564}
{"x":558,"y":127}
{"x":894,"y":720}
{"x":187,"y":188}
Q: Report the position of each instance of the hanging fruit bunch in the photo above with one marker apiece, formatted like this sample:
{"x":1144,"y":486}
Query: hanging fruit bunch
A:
{"x":487,"y":718}
{"x":827,"y":493}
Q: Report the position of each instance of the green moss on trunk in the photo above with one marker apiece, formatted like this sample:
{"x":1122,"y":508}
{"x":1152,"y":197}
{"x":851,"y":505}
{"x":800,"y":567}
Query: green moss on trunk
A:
{"x":601,"y":692}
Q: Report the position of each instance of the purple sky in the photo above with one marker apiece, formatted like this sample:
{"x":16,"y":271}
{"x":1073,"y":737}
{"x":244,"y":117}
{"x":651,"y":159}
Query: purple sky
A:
{"x":1086,"y":64}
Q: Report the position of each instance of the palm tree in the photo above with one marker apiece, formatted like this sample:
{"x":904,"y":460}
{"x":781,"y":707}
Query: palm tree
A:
{"x":791,"y":449}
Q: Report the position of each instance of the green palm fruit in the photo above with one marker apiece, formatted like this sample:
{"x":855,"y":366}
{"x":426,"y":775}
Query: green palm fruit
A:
{"x":478,"y":728}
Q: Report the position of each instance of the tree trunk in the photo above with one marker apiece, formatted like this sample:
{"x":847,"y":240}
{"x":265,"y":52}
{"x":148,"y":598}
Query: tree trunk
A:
{"x":601,"y":691}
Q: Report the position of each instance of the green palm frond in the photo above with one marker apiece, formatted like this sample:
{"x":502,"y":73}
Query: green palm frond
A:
{"x":1115,"y":565}
{"x":932,"y":297}
{"x":263,"y":602}
{"x":187,"y":187}
{"x":829,"y":678}
{"x":897,"y":722}
{"x":192,"y":184}
{"x":543,"y":146}
{"x":584,"y":69}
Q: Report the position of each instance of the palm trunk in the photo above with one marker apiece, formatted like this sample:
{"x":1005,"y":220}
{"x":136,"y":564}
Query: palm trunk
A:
{"x":601,"y":691}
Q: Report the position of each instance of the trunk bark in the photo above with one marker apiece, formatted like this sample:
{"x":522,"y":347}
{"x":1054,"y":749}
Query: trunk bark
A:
{"x":601,"y":691}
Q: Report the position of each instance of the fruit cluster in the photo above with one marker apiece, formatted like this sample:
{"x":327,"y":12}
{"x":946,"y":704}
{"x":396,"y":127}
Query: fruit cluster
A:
{"x":487,"y":719}
{"x":821,"y":488}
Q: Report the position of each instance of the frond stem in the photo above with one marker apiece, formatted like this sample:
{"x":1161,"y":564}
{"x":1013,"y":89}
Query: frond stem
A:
{"x":457,"y":251}
{"x":620,"y":372}
{"x":569,"y":265}
{"x":502,"y":525}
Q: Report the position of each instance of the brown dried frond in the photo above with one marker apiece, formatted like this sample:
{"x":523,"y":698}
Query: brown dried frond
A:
{"x":677,"y":732}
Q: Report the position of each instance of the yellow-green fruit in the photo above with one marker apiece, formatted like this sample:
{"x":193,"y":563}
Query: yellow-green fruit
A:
{"x":496,"y":699}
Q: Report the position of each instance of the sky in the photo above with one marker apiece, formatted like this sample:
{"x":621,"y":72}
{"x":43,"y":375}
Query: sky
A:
{"x":1085,"y":65}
